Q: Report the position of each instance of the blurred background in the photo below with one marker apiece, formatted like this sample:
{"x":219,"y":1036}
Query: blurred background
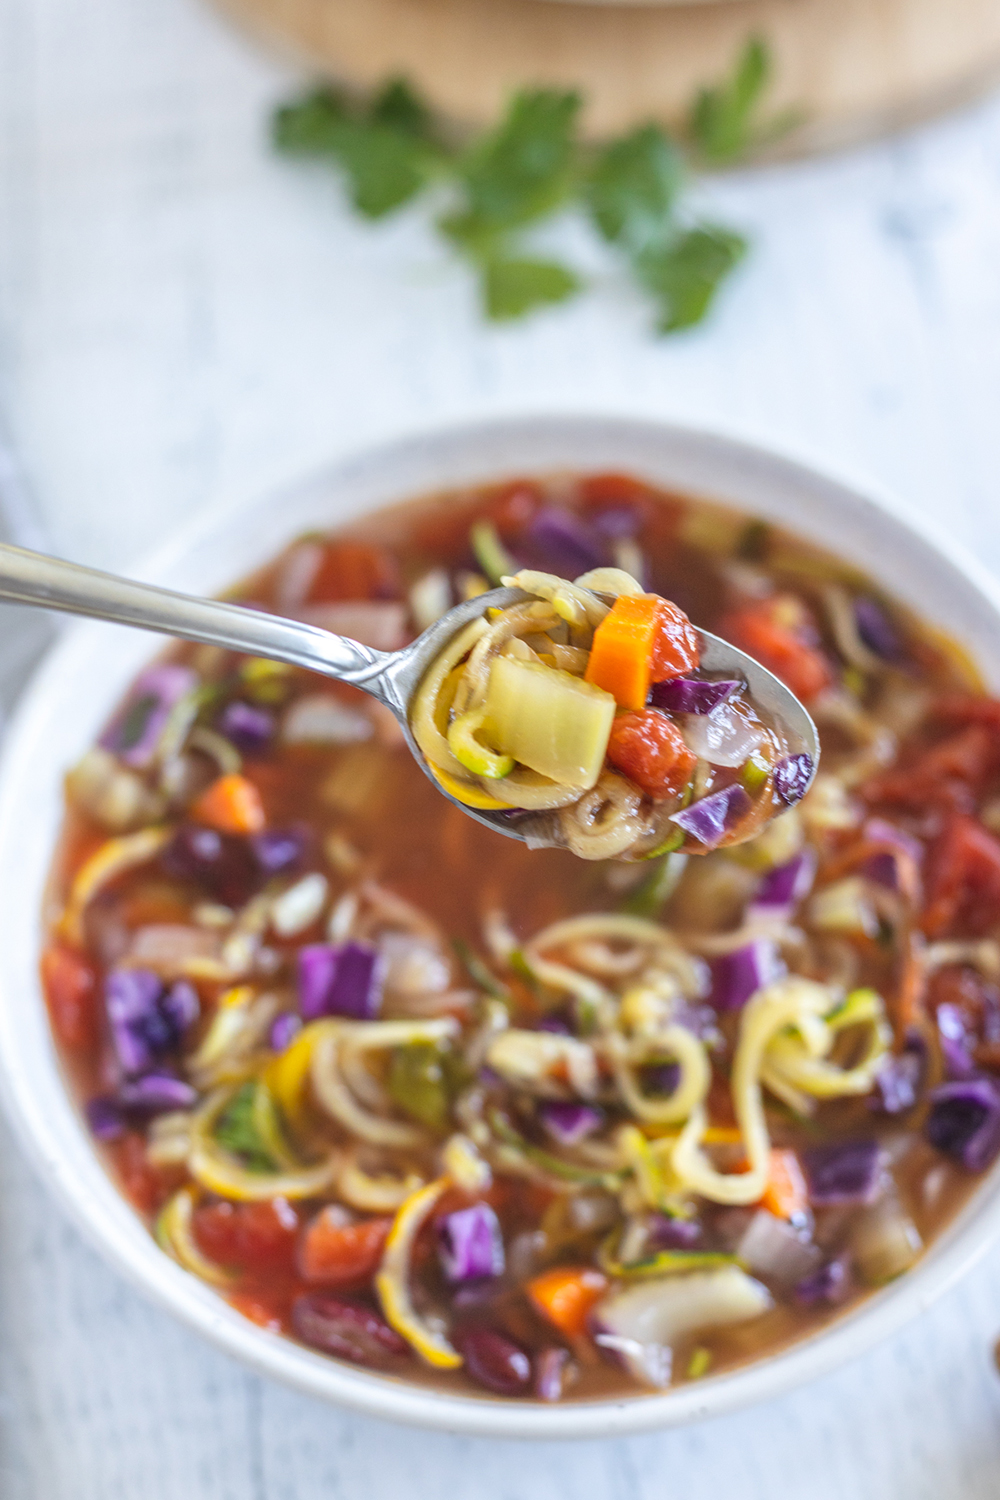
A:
{"x":190,"y":317}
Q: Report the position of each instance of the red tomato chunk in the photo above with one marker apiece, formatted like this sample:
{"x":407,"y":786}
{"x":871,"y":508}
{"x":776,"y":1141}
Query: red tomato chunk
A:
{"x":342,"y":1255}
{"x":648,"y":748}
{"x":253,"y":1236}
{"x":778,"y":647}
{"x":71,"y":991}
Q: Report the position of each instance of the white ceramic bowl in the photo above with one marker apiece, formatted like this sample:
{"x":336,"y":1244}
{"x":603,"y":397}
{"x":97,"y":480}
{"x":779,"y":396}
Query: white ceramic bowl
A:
{"x":87,"y":671}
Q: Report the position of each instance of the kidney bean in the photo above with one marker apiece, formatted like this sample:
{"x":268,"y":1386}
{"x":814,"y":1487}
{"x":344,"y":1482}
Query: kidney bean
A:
{"x":495,"y":1362}
{"x":347,"y":1329}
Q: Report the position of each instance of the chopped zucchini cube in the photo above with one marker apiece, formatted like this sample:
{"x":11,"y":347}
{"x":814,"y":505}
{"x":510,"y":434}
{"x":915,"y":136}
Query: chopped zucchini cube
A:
{"x":551,"y":721}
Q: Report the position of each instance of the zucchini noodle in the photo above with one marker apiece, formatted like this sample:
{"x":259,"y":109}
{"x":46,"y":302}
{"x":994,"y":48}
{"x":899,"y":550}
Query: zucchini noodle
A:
{"x":219,"y":1172}
{"x":571,"y":602}
{"x":673,"y":1041}
{"x":374,"y":1194}
{"x":174,"y":1235}
{"x":605,"y":821}
{"x":104,"y":865}
{"x":329,"y":1037}
{"x":515,"y":621}
{"x":393,"y":1280}
{"x":796,"y":1066}
{"x":787,"y":1002}
{"x":425,"y":708}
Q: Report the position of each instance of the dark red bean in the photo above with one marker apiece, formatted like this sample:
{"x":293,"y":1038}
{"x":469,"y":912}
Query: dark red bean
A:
{"x":496,"y":1362}
{"x":346,"y":1329}
{"x":221,"y":863}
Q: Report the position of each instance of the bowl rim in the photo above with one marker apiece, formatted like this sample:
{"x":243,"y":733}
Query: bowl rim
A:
{"x":65,"y":1160}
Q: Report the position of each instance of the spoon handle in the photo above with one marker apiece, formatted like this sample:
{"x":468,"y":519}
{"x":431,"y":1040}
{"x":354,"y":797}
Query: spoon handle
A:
{"x":32,"y":578}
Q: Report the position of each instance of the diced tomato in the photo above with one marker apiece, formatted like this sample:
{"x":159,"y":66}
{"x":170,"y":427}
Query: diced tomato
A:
{"x":342,"y":1255}
{"x":614,"y":489}
{"x":70,"y":986}
{"x":964,"y":708}
{"x":963,"y":884}
{"x":253,"y":1236}
{"x":354,"y":570}
{"x":950,"y":774}
{"x":676,"y":647}
{"x":266,"y":1312}
{"x":142,"y":1183}
{"x":514,"y":506}
{"x":778,"y":646}
{"x":649,"y":749}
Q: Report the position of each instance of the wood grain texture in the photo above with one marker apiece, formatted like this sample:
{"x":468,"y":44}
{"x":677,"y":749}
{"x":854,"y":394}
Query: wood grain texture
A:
{"x":853,"y":67}
{"x":185,"y":321}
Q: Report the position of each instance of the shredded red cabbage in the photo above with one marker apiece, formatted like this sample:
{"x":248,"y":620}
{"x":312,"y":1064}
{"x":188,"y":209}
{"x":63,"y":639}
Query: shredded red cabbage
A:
{"x":135,"y":732}
{"x":830,"y":1284}
{"x":710,"y":819}
{"x":876,"y":629}
{"x":848,"y":1172}
{"x":470,"y":1244}
{"x":569,"y":1123}
{"x":738,"y":975}
{"x":791,"y":777}
{"x":339,"y":980}
{"x":691,"y":695}
{"x":249,"y":728}
{"x":563,"y":543}
{"x":964,"y":1122}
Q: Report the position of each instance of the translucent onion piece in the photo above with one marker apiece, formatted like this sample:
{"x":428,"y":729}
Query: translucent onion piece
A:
{"x":725,"y":737}
{"x":392,"y":1281}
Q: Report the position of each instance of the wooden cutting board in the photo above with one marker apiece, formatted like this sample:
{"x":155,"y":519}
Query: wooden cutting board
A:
{"x":854,"y":67}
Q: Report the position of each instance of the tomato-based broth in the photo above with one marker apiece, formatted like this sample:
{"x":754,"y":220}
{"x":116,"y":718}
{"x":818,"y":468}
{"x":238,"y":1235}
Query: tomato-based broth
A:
{"x":445,"y":1106}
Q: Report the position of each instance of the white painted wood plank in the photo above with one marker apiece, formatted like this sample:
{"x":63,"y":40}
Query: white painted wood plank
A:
{"x":185,"y":320}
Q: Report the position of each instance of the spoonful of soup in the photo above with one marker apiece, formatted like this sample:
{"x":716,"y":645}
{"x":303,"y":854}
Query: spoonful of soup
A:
{"x":587,"y":715}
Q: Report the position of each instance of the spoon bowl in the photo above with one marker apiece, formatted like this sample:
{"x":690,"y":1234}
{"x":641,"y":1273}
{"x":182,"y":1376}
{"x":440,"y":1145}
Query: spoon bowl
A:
{"x":391,"y":677}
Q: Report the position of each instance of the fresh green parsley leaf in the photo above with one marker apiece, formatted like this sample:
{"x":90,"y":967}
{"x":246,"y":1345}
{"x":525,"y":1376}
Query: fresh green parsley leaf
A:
{"x":387,"y":150}
{"x":524,"y":168}
{"x":514,"y":285}
{"x":237,"y":1132}
{"x":633,"y":185}
{"x":722,"y":124}
{"x":685,"y":274}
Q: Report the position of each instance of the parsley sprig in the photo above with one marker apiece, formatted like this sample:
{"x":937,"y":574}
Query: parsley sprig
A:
{"x":492,"y":192}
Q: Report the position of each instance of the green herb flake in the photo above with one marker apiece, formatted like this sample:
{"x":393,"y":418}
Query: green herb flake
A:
{"x":722,"y":124}
{"x":684,"y":275}
{"x":237,"y":1132}
{"x":478,"y":971}
{"x":524,"y":168}
{"x":652,"y":893}
{"x":633,"y":186}
{"x":421,"y":1082}
{"x":515,"y":285}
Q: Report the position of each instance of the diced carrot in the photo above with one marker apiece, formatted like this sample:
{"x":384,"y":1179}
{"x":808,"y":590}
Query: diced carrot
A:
{"x":342,"y":1255}
{"x":649,"y":749}
{"x":350,"y":571}
{"x":786,"y":1195}
{"x":71,"y":991}
{"x":643,"y":639}
{"x":777,"y":646}
{"x":232,"y":805}
{"x":566,"y":1294}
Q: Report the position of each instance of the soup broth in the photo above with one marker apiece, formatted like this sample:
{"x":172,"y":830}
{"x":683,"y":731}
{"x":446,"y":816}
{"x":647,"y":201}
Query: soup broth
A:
{"x":462,"y":1111}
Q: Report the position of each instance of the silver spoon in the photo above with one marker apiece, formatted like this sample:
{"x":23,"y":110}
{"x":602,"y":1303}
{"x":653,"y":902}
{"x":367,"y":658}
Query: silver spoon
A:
{"x":391,"y":677}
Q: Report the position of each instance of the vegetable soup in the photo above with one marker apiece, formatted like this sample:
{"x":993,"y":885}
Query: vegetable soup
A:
{"x":430,"y":1101}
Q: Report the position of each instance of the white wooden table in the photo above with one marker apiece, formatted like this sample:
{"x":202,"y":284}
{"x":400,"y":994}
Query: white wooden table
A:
{"x":185,"y":320}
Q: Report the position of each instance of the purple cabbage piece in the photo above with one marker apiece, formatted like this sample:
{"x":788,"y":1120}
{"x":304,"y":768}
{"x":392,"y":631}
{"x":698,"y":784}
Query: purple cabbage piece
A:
{"x":791,"y":777}
{"x":673,"y":1234}
{"x":884,"y":868}
{"x":738,"y":975}
{"x":710,"y":819}
{"x":134,"y":732}
{"x":470,"y":1244}
{"x":278,"y":850}
{"x":284,"y":1029}
{"x":691,"y":695}
{"x":563,"y":543}
{"x":700,"y":1020}
{"x":105,"y":1118}
{"x":848,"y":1172}
{"x":569,"y":1123}
{"x":955,"y":1039}
{"x":155,"y":1093}
{"x":340,"y":980}
{"x":897,"y":1083}
{"x":964,"y":1122}
{"x":619,"y":523}
{"x":788,"y":884}
{"x":249,"y":728}
{"x":139,"y":1030}
{"x":829,"y":1284}
{"x":222,"y":864}
{"x":556,"y":1025}
{"x":876,"y":629}
{"x":181,"y":1007}
{"x":551,"y":1371}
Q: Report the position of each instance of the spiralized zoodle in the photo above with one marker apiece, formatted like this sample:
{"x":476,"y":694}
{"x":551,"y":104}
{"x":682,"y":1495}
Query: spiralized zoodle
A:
{"x":426,"y":1100}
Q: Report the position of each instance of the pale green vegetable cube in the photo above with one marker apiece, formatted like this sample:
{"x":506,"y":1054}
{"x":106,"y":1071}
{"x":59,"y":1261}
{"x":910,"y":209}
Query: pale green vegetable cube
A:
{"x":551,"y":721}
